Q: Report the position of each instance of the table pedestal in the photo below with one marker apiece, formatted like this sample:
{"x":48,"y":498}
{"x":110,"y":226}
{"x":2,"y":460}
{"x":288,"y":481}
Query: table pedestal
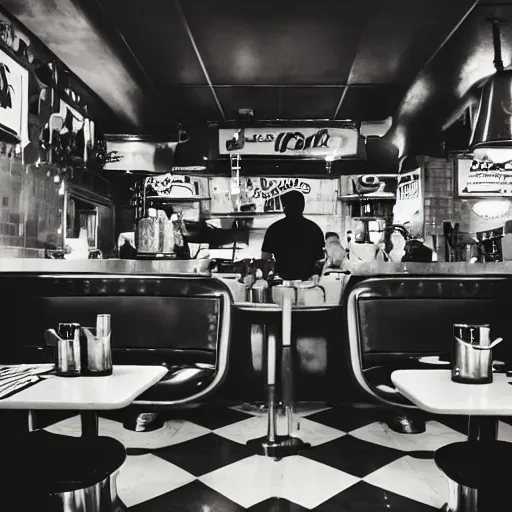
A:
{"x":90,"y":423}
{"x":482,"y":429}
{"x":273,"y":445}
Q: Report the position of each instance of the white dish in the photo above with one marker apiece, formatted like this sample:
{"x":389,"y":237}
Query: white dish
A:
{"x":433,"y":360}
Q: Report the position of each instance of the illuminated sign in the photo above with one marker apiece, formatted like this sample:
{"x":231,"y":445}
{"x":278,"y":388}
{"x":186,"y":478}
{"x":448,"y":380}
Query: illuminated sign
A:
{"x":483,"y":178}
{"x":327,"y":143}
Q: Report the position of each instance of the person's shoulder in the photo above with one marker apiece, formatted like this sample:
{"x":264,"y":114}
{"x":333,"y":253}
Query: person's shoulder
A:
{"x":279,"y":224}
{"x":313,"y":226}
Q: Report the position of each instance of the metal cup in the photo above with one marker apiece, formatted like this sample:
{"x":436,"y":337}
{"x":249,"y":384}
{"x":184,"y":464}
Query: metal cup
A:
{"x":472,"y":354}
{"x":98,"y":352}
{"x":68,"y":357}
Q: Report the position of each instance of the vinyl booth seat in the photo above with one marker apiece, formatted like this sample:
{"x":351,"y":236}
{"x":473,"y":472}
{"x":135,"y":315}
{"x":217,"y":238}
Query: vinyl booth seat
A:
{"x":393,"y":322}
{"x":182,"y":322}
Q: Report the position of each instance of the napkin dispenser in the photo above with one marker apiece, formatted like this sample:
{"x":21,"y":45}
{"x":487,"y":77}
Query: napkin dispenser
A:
{"x":472,"y":354}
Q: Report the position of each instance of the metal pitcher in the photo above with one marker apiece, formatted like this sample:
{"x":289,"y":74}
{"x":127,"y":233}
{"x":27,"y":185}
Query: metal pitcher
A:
{"x":472,"y":354}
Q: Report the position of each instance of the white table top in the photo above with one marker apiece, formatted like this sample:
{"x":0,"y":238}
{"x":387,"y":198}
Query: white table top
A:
{"x":87,"y":393}
{"x":435,"y":392}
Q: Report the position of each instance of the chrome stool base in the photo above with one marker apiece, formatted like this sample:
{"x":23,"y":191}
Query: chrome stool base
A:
{"x":461,"y":498}
{"x":101,"y":497}
{"x":283,"y":446}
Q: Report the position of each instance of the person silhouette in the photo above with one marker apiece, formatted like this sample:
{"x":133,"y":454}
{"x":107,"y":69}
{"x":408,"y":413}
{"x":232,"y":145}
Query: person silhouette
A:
{"x":296,"y":243}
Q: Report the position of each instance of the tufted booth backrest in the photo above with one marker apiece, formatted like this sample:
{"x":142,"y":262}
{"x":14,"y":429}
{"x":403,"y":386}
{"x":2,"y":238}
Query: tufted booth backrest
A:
{"x":154,"y":318}
{"x":402,"y":315}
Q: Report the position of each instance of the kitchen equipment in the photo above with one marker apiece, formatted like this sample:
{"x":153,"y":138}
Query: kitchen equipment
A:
{"x":307,"y":293}
{"x":96,"y":348}
{"x":238,"y":289}
{"x":68,"y":361}
{"x":333,"y":283}
{"x":259,"y":290}
{"x":472,"y":354}
{"x":148,"y":233}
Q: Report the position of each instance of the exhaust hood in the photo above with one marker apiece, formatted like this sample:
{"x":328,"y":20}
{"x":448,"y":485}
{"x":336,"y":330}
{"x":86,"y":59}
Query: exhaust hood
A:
{"x":492,"y":127}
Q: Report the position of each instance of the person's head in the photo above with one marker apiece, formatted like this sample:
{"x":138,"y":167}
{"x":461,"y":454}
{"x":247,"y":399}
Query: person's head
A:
{"x":293,"y":203}
{"x":331,"y":236}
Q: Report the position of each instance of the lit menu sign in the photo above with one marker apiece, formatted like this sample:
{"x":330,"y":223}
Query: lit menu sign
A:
{"x":139,"y":156}
{"x":369,"y":185}
{"x":305,"y":142}
{"x":484,"y":178}
{"x":408,"y":210}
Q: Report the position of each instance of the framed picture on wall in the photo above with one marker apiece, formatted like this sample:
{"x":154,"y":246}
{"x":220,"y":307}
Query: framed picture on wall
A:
{"x":13,"y":101}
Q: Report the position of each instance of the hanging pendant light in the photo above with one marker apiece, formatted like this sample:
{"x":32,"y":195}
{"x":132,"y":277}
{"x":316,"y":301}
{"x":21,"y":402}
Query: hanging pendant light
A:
{"x":493,"y":123}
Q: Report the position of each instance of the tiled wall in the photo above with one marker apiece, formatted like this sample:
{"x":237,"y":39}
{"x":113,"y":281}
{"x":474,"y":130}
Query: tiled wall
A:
{"x":30,"y":209}
{"x":438,"y":195}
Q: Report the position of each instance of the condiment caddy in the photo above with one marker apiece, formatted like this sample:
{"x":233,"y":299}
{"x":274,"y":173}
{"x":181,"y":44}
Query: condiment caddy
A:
{"x":82,"y":351}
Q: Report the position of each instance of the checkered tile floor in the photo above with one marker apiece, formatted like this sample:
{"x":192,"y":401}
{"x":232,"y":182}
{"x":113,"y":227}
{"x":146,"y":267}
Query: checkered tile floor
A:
{"x":198,"y":462}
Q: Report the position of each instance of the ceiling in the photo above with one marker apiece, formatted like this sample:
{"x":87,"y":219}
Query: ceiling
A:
{"x":156,"y":63}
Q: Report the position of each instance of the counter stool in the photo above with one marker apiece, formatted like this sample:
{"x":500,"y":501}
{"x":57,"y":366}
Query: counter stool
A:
{"x":67,"y":474}
{"x":478,"y":481}
{"x":274,"y":445}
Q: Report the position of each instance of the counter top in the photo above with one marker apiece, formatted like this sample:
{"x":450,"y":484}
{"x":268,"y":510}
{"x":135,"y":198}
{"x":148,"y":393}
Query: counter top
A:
{"x":276,"y":308}
{"x":118,"y":266}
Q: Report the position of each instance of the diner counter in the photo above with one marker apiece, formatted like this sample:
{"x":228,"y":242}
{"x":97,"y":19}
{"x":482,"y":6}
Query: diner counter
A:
{"x":118,"y":266}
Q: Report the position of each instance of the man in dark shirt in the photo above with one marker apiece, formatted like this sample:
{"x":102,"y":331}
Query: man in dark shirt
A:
{"x":296,"y":242}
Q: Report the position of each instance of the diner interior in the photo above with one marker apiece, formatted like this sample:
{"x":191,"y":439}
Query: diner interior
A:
{"x":176,"y":335}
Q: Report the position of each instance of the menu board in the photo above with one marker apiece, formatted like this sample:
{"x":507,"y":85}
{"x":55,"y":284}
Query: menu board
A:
{"x":408,"y":210}
{"x":13,"y":99}
{"x":304,"y":142}
{"x":477,"y":178}
{"x":139,"y":156}
{"x":263,"y":195}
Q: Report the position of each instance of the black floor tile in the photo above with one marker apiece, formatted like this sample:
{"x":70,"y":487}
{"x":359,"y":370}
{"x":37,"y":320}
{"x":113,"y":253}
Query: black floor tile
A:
{"x":353,"y":456}
{"x":204,"y":454}
{"x":349,"y":418}
{"x":193,"y":497}
{"x":363,"y":497}
{"x":458,"y":423}
{"x":277,"y":505}
{"x":210,"y":417}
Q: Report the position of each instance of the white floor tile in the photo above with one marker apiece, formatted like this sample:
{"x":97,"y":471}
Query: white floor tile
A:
{"x":417,"y":479}
{"x":144,"y":477}
{"x":436,"y":435}
{"x":297,"y":479}
{"x":505,"y":432}
{"x":173,"y":432}
{"x":309,"y":431}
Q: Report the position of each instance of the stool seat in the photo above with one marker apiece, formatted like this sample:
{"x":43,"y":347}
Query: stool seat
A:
{"x":475,"y":464}
{"x":52,"y":464}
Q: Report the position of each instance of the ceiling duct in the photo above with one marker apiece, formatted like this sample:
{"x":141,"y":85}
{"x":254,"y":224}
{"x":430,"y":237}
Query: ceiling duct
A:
{"x":493,"y":124}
